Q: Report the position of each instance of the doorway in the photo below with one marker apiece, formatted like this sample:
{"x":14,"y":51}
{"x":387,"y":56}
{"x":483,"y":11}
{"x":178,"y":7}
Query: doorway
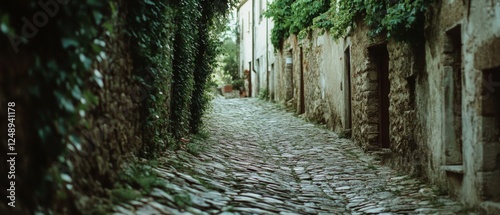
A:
{"x":250,"y":79}
{"x":380,"y":57}
{"x":491,"y":133}
{"x":347,"y":89}
{"x":302,"y":105}
{"x":453,"y":97}
{"x":273,"y":85}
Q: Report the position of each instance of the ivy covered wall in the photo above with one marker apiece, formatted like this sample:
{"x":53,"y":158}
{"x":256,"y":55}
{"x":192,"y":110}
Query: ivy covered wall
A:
{"x":95,"y":83}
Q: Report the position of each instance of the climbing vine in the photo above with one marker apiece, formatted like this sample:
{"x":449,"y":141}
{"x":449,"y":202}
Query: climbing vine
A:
{"x":401,"y":20}
{"x":185,"y":49}
{"x":174,"y":54}
{"x":304,"y":12}
{"x":205,"y":60}
{"x":280,"y":12}
{"x":150,"y":28}
{"x":73,"y":69}
{"x":59,"y":51}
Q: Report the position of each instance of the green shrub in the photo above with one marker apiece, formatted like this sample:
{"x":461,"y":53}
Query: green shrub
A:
{"x":238,"y":84}
{"x":263,"y":94}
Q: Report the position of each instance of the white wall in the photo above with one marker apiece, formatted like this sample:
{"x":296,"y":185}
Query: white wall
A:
{"x":244,"y":23}
{"x":264,"y":51}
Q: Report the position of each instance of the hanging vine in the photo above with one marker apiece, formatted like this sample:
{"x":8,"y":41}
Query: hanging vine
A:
{"x":400,"y":20}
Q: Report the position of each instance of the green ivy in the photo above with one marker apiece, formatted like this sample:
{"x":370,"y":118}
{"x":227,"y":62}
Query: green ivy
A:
{"x":400,"y":20}
{"x":174,"y":54}
{"x":173,"y":50}
{"x":281,"y":13}
{"x":303,"y":13}
{"x":60,"y":57}
{"x":150,"y":28}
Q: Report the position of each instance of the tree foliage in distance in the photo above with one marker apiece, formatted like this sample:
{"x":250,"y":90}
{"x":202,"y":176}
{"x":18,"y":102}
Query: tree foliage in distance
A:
{"x":229,"y":61}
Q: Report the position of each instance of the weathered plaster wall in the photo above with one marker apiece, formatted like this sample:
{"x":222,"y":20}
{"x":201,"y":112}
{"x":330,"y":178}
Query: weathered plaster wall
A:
{"x":481,"y":47}
{"x":244,"y":16}
{"x":256,"y":50}
{"x":322,"y":67}
{"x":440,"y":18}
{"x":329,"y":103}
{"x":477,"y":27}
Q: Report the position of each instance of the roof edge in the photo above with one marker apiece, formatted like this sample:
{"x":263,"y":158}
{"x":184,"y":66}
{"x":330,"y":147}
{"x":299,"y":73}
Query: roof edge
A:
{"x":242,"y":3}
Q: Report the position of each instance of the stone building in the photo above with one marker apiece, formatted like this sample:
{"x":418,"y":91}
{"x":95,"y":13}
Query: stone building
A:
{"x":256,"y":51}
{"x":431,"y":109}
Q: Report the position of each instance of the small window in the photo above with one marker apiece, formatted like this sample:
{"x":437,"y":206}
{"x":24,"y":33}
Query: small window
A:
{"x":242,"y":28}
{"x":249,"y":22}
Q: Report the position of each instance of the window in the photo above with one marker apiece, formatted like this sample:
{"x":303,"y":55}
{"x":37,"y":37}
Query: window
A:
{"x":249,"y":22}
{"x":261,"y":9}
{"x":242,"y":28}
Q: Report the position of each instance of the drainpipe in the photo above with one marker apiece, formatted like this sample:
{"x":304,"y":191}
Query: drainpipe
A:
{"x":267,"y":57}
{"x":253,"y":48}
{"x":253,"y":36}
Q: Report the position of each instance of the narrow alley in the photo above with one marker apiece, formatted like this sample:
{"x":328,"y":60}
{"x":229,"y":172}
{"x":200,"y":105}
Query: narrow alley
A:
{"x":264,"y":160}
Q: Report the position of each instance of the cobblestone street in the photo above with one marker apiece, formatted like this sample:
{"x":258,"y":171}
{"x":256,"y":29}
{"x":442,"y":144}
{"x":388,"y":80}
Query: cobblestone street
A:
{"x":261,"y":159}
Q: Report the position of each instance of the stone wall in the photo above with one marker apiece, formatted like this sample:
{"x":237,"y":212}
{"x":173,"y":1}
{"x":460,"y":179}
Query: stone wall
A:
{"x":114,"y":128}
{"x":364,"y":85}
{"x":461,"y":54}
{"x":407,"y":106}
{"x":442,"y":119}
{"x":102,"y":137}
{"x":441,"y":84}
{"x":322,"y":78}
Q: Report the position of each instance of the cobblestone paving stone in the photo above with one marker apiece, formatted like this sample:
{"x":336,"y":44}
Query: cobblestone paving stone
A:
{"x":261,"y":159}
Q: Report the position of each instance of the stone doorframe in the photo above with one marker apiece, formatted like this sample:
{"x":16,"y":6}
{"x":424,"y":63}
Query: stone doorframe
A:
{"x":488,"y":101}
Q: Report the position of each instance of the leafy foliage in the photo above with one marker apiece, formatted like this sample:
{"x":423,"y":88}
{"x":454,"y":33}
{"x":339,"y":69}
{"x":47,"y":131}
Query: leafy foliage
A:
{"x":304,"y":11}
{"x":401,"y":20}
{"x":173,"y":50}
{"x":281,"y":13}
{"x":174,"y":56}
{"x":229,"y":61}
{"x":60,"y":57}
{"x":263,"y":94}
{"x":185,"y":49}
{"x":150,"y":29}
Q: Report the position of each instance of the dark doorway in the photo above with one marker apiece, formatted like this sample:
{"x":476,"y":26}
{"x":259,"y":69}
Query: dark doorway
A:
{"x":302,"y":108}
{"x":491,"y":101}
{"x":380,"y":56}
{"x":453,"y":97}
{"x":347,"y":89}
{"x":250,"y":79}
{"x":273,"y":85}
{"x":491,"y":133}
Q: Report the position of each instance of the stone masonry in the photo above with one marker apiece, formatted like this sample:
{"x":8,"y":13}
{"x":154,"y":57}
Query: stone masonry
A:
{"x":428,"y":106}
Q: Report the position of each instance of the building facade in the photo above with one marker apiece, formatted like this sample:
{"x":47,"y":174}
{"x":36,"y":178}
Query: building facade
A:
{"x":256,"y":51}
{"x":430,"y":109}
